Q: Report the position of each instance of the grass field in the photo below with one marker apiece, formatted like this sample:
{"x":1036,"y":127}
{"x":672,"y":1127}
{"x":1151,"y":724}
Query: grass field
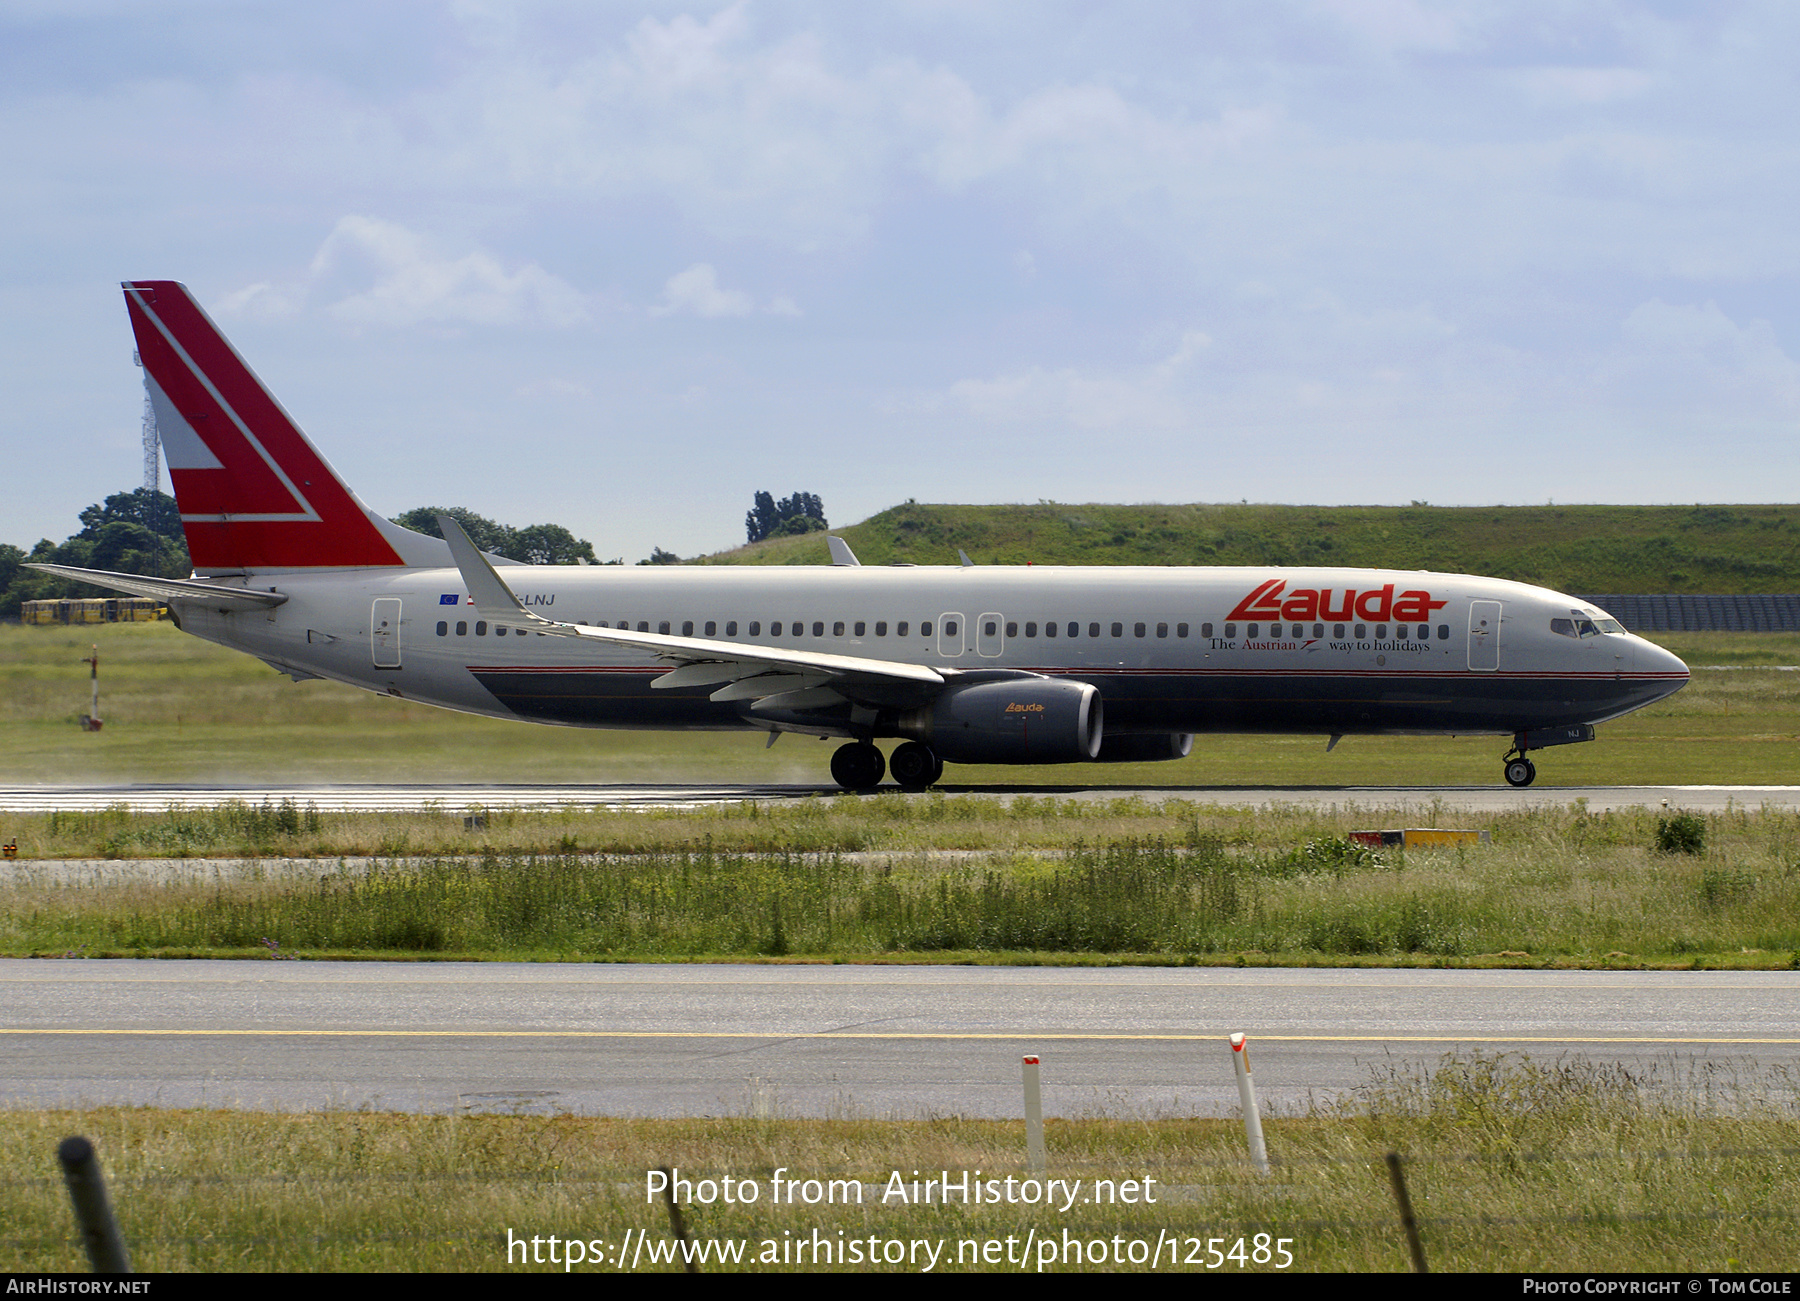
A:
{"x":180,"y":709}
{"x":1512,"y":1165}
{"x":848,"y":879}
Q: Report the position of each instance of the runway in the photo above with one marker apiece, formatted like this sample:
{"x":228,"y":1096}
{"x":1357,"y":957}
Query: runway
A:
{"x":852,"y":1041}
{"x":459,"y":799}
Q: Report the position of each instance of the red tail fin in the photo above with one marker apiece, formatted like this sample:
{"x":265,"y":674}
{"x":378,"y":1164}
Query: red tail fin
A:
{"x":253,"y":493}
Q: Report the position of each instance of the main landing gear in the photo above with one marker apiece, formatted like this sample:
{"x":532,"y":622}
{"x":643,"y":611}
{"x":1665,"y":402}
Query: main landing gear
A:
{"x":859,"y":766}
{"x":915,"y":766}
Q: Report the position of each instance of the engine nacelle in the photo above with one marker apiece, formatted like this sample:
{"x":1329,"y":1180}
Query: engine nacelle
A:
{"x":1016,"y":720}
{"x":1156,"y":747}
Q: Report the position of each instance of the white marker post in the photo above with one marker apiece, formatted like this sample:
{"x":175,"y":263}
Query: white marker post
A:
{"x":1034,"y":1118}
{"x":1240,"y":1058}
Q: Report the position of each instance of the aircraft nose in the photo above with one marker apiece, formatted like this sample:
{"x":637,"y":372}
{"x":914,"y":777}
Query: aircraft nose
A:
{"x":1652,"y":658}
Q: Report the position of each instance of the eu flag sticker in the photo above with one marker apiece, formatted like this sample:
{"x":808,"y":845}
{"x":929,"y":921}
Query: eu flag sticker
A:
{"x":451,"y":599}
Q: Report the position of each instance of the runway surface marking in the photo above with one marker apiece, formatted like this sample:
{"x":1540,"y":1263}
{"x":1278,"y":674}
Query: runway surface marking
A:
{"x":886,"y":1035}
{"x":456,"y":799}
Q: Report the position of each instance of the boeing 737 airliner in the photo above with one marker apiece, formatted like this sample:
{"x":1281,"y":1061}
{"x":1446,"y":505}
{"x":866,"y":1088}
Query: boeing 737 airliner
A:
{"x":965,"y":664}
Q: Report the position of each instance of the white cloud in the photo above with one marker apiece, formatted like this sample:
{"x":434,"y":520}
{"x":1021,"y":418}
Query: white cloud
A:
{"x":1394,"y":25}
{"x":413,"y":284}
{"x":382,"y":273}
{"x":1559,"y":86}
{"x":697,"y":291}
{"x":555,"y":390}
{"x":1690,"y":357}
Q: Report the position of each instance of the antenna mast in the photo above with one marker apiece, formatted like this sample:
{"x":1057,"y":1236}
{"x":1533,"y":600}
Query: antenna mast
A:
{"x":152,"y":469}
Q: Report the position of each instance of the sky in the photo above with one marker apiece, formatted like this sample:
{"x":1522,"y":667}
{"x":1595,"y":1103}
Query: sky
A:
{"x":620,"y":266}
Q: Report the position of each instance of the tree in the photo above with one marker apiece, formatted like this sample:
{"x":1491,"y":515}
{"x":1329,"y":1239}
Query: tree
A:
{"x":137,"y":532}
{"x":801,"y":513}
{"x":660,"y":557}
{"x":145,"y":507}
{"x":535,"y":544}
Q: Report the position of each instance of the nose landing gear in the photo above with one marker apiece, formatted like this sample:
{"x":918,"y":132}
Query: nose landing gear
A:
{"x":1520,"y":771}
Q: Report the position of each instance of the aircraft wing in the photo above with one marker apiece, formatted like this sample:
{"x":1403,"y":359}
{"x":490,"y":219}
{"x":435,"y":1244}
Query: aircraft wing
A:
{"x":768,"y":676}
{"x":219,"y":596}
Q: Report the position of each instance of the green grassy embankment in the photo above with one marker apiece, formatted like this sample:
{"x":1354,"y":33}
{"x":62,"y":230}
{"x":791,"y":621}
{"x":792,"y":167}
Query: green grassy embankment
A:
{"x":1719,"y":549}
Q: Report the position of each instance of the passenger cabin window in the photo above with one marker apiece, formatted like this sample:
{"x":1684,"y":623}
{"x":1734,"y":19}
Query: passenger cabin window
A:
{"x":989,"y":628}
{"x":858,"y":630}
{"x":925,"y":628}
{"x":1380,"y":630}
{"x":480,"y":628}
{"x":1118,"y":630}
{"x":1049,"y":630}
{"x":881,"y":627}
{"x":1093,"y":630}
{"x":818,"y":627}
{"x":1012,"y":629}
{"x":662,"y":628}
{"x":643,"y":625}
{"x":900,"y":629}
{"x":1337,"y":630}
{"x":774,"y":630}
{"x":1162,"y":630}
{"x":499,"y":630}
{"x":731,"y":628}
{"x":712,"y":629}
{"x":1362,"y":630}
{"x":443,"y":628}
{"x":1181,"y":630}
{"x":1443,"y":632}
{"x":1030,"y":629}
{"x":756,"y":629}
{"x":462,"y":628}
{"x":687,"y":628}
{"x":949,"y":628}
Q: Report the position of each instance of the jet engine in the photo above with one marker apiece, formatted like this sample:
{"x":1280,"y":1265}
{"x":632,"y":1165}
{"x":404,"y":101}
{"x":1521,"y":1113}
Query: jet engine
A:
{"x":1015,"y":720}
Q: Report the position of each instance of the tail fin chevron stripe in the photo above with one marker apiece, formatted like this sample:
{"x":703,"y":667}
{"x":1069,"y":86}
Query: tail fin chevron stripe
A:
{"x":252,"y":491}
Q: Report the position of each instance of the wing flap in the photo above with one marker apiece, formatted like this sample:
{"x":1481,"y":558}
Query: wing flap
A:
{"x":751,"y":672}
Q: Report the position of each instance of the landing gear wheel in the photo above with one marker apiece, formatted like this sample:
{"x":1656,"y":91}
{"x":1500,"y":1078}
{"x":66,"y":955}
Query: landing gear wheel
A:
{"x":1520,"y":772}
{"x":915,"y":767}
{"x":857,"y":766}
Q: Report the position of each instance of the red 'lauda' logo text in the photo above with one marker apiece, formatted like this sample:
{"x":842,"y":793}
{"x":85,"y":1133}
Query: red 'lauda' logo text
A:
{"x":1378,"y":606}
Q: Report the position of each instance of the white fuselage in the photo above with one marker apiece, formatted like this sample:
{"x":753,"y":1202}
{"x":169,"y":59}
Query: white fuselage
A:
{"x":1161,"y":645}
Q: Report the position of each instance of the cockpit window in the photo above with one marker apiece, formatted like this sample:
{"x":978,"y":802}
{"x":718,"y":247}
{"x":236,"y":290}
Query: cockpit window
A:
{"x":1601,"y":622}
{"x":1581,"y":626}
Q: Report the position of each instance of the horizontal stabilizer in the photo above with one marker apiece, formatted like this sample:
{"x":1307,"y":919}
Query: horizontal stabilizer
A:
{"x":218,"y":596}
